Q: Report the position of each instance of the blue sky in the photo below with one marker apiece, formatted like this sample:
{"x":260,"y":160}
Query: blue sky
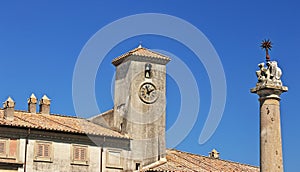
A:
{"x":40,"y":42}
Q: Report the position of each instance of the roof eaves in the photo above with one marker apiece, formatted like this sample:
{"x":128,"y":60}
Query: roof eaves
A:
{"x":121,"y":58}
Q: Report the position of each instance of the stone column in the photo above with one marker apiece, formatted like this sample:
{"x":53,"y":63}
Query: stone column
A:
{"x":269,"y":90}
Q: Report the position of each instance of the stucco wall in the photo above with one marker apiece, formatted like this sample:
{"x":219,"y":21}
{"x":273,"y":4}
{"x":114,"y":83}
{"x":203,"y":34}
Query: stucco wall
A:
{"x":62,"y":160}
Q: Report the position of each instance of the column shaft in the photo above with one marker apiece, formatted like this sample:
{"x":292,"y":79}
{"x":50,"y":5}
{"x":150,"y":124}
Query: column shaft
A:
{"x":270,"y":135}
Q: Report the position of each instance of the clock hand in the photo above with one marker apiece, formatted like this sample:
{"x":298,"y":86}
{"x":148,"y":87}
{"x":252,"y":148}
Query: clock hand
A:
{"x":147,"y":88}
{"x":151,"y":91}
{"x":148,"y":91}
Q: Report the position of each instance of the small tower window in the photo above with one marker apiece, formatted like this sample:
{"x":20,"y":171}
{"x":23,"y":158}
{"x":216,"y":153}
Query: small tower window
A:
{"x":137,"y":166}
{"x":148,"y":67}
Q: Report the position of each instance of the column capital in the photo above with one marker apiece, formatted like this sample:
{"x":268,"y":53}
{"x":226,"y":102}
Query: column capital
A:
{"x":269,"y":90}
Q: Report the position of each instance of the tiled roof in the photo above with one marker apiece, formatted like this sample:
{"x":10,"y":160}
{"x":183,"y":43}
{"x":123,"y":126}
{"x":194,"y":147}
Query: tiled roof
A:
{"x":140,"y":51}
{"x":57,"y":123}
{"x":187,"y":162}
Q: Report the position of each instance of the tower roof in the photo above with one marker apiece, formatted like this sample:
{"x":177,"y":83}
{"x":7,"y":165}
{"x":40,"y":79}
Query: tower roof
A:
{"x":141,"y":52}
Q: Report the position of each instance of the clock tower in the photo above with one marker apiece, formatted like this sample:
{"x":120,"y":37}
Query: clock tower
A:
{"x":140,"y":103}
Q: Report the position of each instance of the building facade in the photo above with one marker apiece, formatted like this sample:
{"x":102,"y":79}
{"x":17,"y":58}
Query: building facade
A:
{"x":35,"y":142}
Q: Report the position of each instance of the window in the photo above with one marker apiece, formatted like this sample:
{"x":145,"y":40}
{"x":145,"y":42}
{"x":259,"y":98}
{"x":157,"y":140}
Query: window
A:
{"x":79,"y":154}
{"x":3,"y":147}
{"x":114,"y":159}
{"x":137,"y":166}
{"x":8,"y":148}
{"x":43,"y":151}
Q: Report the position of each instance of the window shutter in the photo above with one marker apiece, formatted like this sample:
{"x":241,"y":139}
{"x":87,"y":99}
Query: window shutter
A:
{"x":40,"y":150}
{"x":82,"y":154}
{"x":13,"y":144}
{"x":2,"y":147}
{"x":76,"y":153}
{"x":46,"y":151}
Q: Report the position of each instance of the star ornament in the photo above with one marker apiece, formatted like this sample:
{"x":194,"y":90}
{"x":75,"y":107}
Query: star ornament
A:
{"x":267,"y":45}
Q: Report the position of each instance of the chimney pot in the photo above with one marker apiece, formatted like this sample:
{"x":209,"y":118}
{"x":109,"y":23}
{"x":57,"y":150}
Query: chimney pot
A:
{"x":9,"y":109}
{"x":214,"y":154}
{"x":32,"y":100}
{"x":45,"y":105}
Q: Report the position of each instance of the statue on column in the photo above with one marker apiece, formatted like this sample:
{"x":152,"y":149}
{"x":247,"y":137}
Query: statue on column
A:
{"x":270,"y":74}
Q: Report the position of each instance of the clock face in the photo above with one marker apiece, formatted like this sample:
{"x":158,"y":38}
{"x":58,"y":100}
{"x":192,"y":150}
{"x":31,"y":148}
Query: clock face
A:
{"x":148,"y":93}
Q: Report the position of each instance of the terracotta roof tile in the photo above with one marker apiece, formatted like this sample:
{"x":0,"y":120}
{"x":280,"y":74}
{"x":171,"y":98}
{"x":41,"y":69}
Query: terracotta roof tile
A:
{"x":140,"y":51}
{"x":187,"y":162}
{"x":57,"y":123}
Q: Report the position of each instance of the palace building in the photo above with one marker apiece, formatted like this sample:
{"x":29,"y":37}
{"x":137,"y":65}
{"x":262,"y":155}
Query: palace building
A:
{"x":129,"y":137}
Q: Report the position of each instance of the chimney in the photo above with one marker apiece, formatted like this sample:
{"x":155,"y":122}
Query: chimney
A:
{"x":9,"y":109}
{"x":32,"y":100}
{"x":214,"y":154}
{"x":45,"y":105}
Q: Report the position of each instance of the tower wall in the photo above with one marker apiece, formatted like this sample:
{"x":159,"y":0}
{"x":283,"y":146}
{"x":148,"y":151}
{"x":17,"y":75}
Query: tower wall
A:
{"x":144,"y":122}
